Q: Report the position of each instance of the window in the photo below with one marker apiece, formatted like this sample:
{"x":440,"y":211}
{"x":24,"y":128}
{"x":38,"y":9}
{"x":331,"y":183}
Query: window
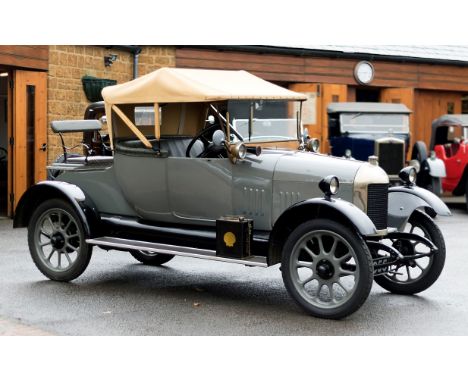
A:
{"x":271,"y":120}
{"x":450,"y":107}
{"x":374,"y":123}
{"x":465,"y":104}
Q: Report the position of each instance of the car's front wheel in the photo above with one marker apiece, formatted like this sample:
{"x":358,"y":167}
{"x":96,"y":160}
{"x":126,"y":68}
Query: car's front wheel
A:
{"x":151,"y":258}
{"x":327,"y":268}
{"x":57,"y":241}
{"x":415,"y":276}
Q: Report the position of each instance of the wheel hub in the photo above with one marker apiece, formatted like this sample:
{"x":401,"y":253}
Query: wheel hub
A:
{"x":325,"y":269}
{"x":57,"y":240}
{"x":406,"y":248}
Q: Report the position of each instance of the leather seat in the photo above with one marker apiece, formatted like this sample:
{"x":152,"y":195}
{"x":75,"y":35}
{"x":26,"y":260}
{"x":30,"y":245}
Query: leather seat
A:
{"x":174,"y":146}
{"x":177,"y":147}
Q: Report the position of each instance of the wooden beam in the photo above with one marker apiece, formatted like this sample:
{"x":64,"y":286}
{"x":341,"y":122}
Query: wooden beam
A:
{"x":293,"y":69}
{"x":25,"y":56}
{"x":157,"y":124}
{"x":132,"y":127}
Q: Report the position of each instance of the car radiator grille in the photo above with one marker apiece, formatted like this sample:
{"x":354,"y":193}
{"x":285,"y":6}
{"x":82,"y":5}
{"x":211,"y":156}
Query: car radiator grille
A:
{"x":391,"y":157}
{"x":377,"y":204}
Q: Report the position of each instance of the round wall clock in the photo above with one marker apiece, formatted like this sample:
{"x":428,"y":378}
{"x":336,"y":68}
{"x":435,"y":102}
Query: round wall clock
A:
{"x":364,"y":72}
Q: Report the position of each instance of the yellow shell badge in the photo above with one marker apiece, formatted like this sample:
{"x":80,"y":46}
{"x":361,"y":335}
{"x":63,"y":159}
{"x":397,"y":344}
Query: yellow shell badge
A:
{"x":229,"y":239}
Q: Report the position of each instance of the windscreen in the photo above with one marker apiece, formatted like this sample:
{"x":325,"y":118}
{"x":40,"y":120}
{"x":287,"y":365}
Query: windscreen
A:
{"x":374,"y":123}
{"x":270,"y":120}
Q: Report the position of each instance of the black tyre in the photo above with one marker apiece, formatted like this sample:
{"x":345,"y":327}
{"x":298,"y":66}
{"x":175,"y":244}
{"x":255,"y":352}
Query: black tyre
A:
{"x":419,"y":151}
{"x":418,"y":275}
{"x":151,"y":258}
{"x":435,"y":186}
{"x":57,"y":241}
{"x":327,"y":268}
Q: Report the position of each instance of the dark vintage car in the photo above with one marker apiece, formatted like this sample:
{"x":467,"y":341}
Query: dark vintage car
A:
{"x":182,"y":182}
{"x":94,"y":144}
{"x":449,"y":146}
{"x":363,"y":129}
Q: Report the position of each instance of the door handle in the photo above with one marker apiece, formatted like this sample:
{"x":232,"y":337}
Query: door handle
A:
{"x":43,"y":147}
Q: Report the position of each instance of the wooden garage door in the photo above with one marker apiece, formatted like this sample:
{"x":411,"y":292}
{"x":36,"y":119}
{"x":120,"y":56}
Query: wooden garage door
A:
{"x":314,"y":114}
{"x":29,"y":131}
{"x":406,"y":97}
{"x":430,"y":105}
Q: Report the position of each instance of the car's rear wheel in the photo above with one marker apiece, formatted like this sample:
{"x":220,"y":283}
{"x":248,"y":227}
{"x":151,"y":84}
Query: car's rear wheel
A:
{"x":327,"y":268}
{"x":57,"y":241}
{"x":435,"y":186}
{"x":151,"y":258}
{"x":416,"y":276}
{"x":419,"y":153}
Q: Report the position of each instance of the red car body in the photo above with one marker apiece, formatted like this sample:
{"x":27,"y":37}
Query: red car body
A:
{"x":449,"y":141}
{"x":455,"y":159}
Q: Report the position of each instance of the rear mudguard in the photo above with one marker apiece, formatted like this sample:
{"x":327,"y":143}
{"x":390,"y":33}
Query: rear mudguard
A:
{"x":404,"y":200}
{"x":50,"y":189}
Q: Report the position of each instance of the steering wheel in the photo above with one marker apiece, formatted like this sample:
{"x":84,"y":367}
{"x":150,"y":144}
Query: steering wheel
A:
{"x":210,"y":149}
{"x":3,"y":154}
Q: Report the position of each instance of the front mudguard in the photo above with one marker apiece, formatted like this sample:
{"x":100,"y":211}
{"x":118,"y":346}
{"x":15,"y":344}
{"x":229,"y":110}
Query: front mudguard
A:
{"x":404,"y":200}
{"x":318,"y":208}
{"x":435,"y":167}
{"x":329,"y":208}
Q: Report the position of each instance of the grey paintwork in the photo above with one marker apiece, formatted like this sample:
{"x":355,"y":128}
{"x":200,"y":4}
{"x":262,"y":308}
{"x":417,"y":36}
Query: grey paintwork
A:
{"x":450,"y":120}
{"x":403,"y":201}
{"x":200,"y":190}
{"x":367,"y":107}
{"x":298,"y":174}
{"x":101,"y":187}
{"x":75,"y":126}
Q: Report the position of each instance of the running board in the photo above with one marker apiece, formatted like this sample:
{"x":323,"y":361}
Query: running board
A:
{"x":207,"y":254}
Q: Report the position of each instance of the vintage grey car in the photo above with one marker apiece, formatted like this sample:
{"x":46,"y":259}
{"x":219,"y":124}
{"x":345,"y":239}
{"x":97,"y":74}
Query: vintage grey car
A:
{"x":182,"y":182}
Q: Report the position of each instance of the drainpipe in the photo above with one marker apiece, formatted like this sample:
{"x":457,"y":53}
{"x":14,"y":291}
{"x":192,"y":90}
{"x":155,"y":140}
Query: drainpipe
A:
{"x":135,"y":64}
{"x":133,"y":49}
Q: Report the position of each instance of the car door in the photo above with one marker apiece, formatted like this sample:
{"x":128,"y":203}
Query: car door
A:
{"x":200,"y":189}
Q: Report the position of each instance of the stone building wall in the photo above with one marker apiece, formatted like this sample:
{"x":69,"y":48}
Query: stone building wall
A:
{"x":69,"y":63}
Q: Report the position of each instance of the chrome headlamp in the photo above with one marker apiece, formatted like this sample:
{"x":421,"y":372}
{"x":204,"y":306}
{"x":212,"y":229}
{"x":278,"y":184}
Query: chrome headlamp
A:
{"x":415,"y":163}
{"x":313,"y":144}
{"x":239,"y":150}
{"x":408,"y":175}
{"x":329,"y":185}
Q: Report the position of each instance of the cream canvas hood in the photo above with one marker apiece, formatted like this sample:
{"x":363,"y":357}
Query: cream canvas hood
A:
{"x":167,"y":85}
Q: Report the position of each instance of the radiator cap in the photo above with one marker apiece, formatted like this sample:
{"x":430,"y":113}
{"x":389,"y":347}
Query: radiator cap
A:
{"x":374,"y":160}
